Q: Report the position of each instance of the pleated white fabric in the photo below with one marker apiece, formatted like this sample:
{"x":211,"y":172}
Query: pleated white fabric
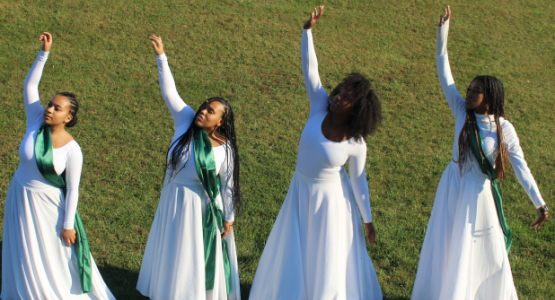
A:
{"x":316,"y":249}
{"x":173,"y":262}
{"x":35,"y":263}
{"x":464,"y":255}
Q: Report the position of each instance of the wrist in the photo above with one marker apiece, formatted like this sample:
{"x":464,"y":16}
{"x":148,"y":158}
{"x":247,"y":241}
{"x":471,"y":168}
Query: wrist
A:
{"x":543,"y":210}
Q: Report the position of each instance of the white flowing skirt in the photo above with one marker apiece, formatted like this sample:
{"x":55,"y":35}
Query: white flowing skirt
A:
{"x":464,"y":254}
{"x":316,"y":249}
{"x":35,"y":263}
{"x":173,"y":262}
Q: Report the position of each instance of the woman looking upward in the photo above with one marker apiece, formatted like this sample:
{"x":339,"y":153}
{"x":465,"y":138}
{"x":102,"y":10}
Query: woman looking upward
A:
{"x":190,"y":252}
{"x":465,"y":251}
{"x":45,"y":253}
{"x":316,"y":249}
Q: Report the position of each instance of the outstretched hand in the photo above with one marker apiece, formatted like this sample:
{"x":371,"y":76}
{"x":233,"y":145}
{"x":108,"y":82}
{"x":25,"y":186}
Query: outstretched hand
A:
{"x":157,"y":44}
{"x":46,"y":39}
{"x":370,"y":233}
{"x":444,"y":18}
{"x":314,"y":17}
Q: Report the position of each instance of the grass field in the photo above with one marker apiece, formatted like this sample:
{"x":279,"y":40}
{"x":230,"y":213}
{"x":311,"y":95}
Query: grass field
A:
{"x":249,"y":52}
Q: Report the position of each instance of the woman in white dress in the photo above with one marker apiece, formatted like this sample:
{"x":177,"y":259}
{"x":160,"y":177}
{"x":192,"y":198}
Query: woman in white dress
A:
{"x":190,"y":252}
{"x":316,"y":249}
{"x":45,"y":253}
{"x":464,"y":255}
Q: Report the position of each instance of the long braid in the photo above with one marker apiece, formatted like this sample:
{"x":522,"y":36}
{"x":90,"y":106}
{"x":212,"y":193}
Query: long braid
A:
{"x":181,"y":150}
{"x":495,"y":93}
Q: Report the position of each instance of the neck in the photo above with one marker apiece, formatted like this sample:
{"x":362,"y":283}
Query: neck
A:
{"x":211,"y":133}
{"x":340,"y":121}
{"x":55,"y":129}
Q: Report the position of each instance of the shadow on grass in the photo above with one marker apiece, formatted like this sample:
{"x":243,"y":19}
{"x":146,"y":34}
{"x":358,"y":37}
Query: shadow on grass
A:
{"x":121,"y":282}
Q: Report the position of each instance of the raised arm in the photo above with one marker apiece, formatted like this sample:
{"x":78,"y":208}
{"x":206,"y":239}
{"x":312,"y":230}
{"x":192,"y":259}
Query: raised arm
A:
{"x":182,"y":113}
{"x":33,"y":107}
{"x":357,"y":173}
{"x":316,"y":92}
{"x":454,"y":99}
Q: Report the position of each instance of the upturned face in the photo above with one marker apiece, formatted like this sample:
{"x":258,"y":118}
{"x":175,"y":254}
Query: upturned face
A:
{"x":475,"y":96}
{"x":210,"y":117}
{"x":57,"y":111}
{"x":342,"y":103}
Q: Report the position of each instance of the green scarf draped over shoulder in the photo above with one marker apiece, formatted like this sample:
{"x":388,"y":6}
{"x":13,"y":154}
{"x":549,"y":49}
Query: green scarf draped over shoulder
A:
{"x":213,"y":217}
{"x":487,"y":168}
{"x":44,"y":155}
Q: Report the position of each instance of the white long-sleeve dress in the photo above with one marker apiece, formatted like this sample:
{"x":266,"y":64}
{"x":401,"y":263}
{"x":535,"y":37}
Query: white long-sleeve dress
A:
{"x":316,"y":249}
{"x":464,"y":254}
{"x":173,"y":262}
{"x":36,"y":264}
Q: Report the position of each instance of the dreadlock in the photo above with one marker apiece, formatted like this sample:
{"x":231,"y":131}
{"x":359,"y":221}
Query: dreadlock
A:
{"x":181,"y":149}
{"x":367,"y":110}
{"x":495,"y":95}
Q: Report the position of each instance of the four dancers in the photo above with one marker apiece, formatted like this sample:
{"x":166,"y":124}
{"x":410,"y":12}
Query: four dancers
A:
{"x":316,"y":249}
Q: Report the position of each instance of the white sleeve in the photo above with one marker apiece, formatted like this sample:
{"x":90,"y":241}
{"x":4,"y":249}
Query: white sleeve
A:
{"x":73,"y":176}
{"x":33,"y":107}
{"x":522,"y":172}
{"x":454,"y":99}
{"x":316,"y":92}
{"x":226,"y":185}
{"x":182,"y":113}
{"x":357,"y":172}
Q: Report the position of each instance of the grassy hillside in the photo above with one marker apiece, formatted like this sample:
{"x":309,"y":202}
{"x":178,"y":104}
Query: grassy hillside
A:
{"x":249,"y":52}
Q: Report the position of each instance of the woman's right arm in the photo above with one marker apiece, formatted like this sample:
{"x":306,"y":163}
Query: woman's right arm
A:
{"x":456,"y":102}
{"x":316,"y":92}
{"x":182,"y":113}
{"x":33,"y":107}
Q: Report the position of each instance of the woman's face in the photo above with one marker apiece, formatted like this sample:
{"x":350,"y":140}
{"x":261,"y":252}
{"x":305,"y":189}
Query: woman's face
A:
{"x":475,"y":97}
{"x":210,"y":117}
{"x":342,"y":103}
{"x":57,"y":111}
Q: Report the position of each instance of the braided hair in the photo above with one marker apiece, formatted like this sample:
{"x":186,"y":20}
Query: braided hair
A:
{"x":367,"y":110}
{"x":495,"y":95}
{"x":73,"y":107}
{"x":181,"y":149}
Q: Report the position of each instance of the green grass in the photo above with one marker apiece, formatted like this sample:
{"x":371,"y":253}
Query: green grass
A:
{"x":249,"y":52}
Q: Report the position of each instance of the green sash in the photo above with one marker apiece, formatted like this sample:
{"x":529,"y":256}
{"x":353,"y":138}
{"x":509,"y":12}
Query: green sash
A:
{"x":213,"y":217}
{"x":44,"y":155}
{"x":488,"y":169}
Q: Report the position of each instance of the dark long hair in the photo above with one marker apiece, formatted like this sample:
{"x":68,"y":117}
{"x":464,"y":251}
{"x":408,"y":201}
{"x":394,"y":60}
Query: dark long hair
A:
{"x":181,"y":149}
{"x":495,"y":94}
{"x":367,"y":109}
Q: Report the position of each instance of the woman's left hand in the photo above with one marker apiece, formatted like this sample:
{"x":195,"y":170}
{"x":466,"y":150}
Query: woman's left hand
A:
{"x":228,"y":226}
{"x":370,"y":233}
{"x":539,"y":222}
{"x":69,"y":236}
